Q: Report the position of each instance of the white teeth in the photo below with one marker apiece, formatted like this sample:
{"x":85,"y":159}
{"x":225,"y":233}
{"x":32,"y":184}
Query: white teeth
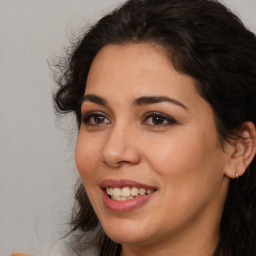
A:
{"x":109,"y":191}
{"x":149,"y":191}
{"x":120,"y":198}
{"x":134,"y":191}
{"x":116,"y":192}
{"x":127,"y":193}
{"x":142,"y":191}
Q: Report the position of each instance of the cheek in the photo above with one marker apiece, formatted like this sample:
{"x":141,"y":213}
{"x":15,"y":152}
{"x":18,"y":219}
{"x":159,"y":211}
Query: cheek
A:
{"x":191,"y":159}
{"x":190,"y":171}
{"x":86,"y":157}
{"x":87,"y":163}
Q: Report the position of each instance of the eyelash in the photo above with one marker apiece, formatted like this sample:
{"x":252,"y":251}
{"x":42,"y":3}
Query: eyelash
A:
{"x":86,"y":119}
{"x":167,"y":120}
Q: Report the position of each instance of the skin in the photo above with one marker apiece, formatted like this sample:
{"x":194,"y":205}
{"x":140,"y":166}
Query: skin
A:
{"x":183,"y":159}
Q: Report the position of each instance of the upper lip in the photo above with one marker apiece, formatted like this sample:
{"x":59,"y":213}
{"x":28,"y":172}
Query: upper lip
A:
{"x":111,"y":183}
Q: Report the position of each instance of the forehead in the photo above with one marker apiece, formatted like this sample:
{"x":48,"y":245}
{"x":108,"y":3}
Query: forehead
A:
{"x":135,"y":70}
{"x":134,"y":66}
{"x":134,"y":52}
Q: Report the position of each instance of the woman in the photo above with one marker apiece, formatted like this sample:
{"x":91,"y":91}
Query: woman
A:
{"x":164,"y":92}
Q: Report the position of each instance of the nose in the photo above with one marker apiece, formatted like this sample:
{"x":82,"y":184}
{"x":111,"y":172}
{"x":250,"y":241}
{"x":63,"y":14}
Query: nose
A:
{"x":120,"y":148}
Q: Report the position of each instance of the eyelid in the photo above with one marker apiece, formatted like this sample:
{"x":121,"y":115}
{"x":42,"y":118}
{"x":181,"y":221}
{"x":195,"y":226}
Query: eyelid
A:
{"x":86,"y":116}
{"x":170,"y":120}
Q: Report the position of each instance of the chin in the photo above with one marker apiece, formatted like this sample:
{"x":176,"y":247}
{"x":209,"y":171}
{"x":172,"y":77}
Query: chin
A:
{"x":126,"y":232}
{"x":127,"y":237}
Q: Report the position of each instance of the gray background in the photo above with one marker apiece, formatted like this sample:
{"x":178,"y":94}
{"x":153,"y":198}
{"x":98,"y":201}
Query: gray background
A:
{"x":37,"y":169}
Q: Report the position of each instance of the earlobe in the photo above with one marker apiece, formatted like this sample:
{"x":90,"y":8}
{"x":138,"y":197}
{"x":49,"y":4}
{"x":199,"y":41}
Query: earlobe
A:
{"x":243,"y":151}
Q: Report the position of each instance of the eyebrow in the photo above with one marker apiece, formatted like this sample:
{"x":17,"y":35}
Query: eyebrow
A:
{"x":145,"y":100}
{"x":95,"y":99}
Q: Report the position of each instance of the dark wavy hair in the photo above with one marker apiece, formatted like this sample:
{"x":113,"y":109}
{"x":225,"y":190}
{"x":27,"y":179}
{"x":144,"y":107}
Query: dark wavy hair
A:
{"x":204,"y":40}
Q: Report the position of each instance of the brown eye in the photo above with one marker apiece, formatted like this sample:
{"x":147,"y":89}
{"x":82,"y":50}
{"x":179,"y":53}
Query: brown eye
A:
{"x":94,"y":119}
{"x":98,"y":119}
{"x":158,"y":119}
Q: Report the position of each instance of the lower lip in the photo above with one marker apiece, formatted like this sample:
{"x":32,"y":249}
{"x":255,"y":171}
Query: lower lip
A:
{"x":126,"y":205}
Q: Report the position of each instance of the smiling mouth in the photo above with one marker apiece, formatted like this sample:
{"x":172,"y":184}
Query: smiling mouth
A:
{"x":127,"y":193}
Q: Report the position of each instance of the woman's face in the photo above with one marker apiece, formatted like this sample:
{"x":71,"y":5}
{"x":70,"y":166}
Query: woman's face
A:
{"x":149,"y":141}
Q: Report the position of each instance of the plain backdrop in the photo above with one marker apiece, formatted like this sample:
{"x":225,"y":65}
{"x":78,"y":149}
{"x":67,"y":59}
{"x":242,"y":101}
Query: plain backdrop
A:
{"x":37,"y":170}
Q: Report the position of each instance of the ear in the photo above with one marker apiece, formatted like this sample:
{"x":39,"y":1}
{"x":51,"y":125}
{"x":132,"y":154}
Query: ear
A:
{"x":242,"y":151}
